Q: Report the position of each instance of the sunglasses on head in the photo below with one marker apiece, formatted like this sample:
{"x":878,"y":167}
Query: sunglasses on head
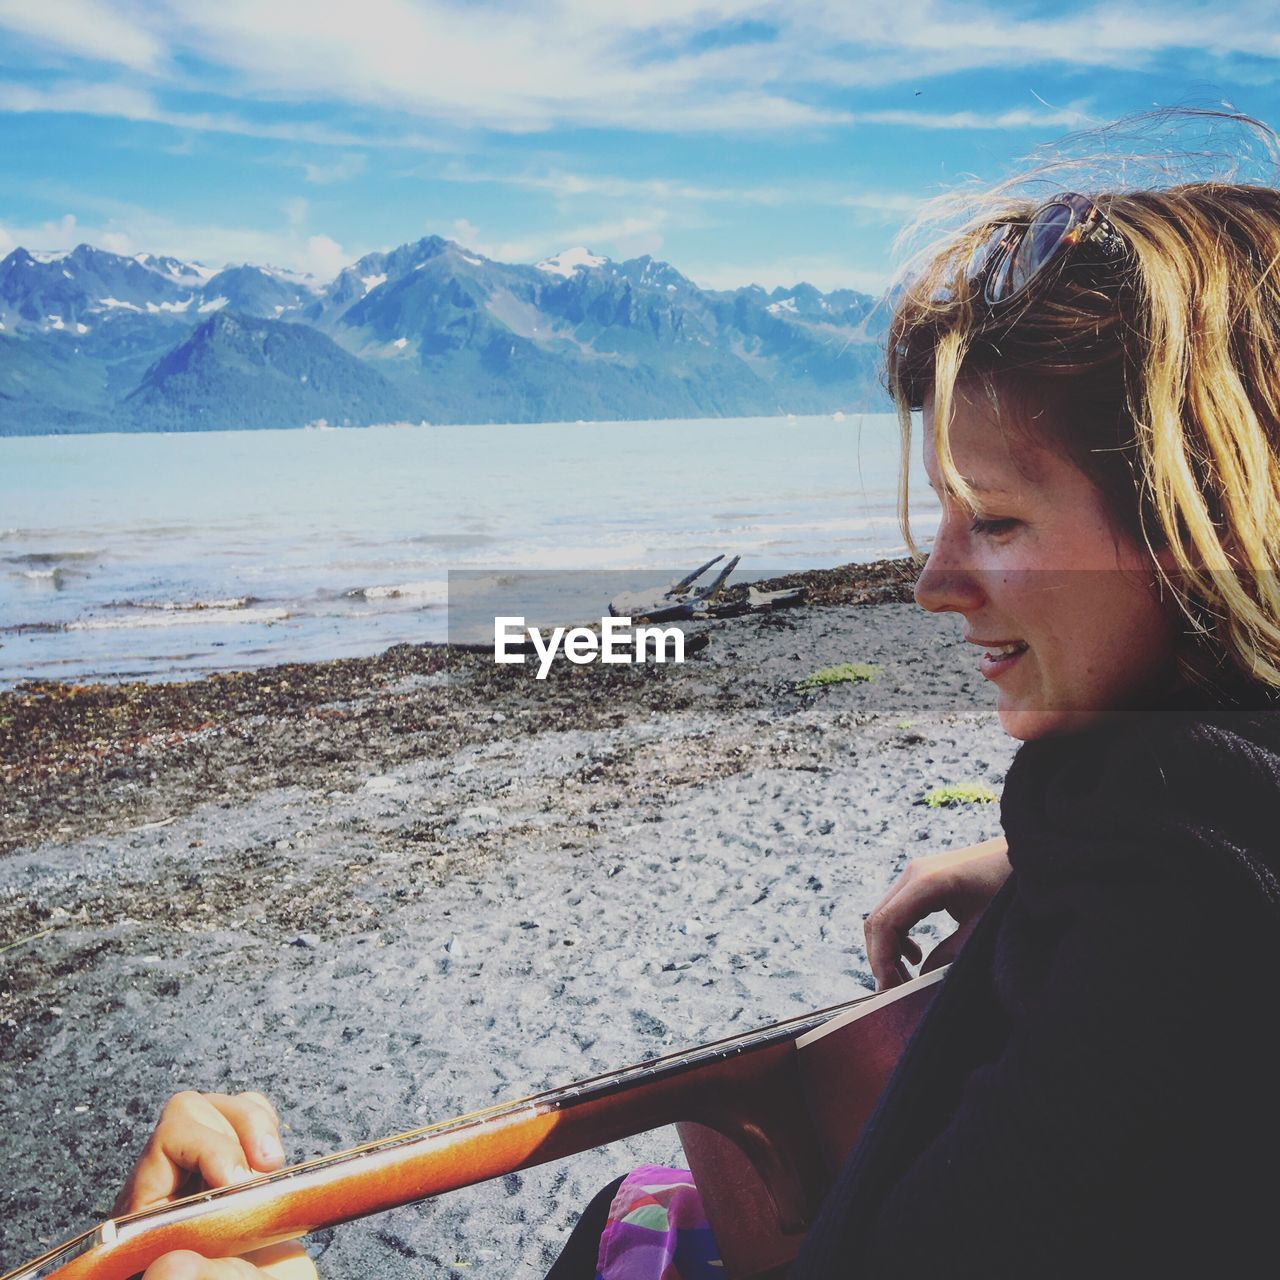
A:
{"x":1016,"y":254}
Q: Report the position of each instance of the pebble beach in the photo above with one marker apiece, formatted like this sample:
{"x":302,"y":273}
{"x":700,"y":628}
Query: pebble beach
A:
{"x":387,"y":891}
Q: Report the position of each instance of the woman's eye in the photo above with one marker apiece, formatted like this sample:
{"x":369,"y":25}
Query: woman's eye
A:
{"x":993,"y":526}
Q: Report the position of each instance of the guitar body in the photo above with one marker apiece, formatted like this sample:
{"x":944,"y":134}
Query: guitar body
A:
{"x":763,"y":1182}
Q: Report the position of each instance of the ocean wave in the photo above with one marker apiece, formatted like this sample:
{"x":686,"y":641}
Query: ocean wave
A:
{"x":436,"y":592}
{"x":178,"y":618}
{"x":57,"y":577}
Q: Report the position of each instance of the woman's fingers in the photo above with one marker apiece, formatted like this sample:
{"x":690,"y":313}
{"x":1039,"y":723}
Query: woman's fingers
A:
{"x":947,"y":950}
{"x":256,"y":1124}
{"x":184,"y":1265}
{"x":914,"y":895}
{"x":284,"y":1262}
{"x":960,"y":882}
{"x":277,"y":1262}
{"x":216,"y":1138}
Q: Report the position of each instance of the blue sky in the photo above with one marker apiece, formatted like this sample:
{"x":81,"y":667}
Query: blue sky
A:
{"x":765,"y":140}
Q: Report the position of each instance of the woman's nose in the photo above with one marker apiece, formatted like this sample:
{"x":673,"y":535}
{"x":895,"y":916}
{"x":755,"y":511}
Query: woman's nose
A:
{"x":946,"y":584}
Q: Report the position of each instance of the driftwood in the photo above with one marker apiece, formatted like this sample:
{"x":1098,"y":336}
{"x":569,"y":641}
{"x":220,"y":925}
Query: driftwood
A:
{"x":683,"y":600}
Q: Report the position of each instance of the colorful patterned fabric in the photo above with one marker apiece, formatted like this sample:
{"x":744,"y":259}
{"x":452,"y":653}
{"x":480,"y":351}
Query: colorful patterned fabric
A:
{"x":657,"y":1230}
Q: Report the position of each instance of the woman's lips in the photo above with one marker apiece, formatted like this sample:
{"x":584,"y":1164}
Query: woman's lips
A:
{"x":999,"y":658}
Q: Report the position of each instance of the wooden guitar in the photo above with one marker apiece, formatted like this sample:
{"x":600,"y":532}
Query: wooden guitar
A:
{"x":766,"y":1119}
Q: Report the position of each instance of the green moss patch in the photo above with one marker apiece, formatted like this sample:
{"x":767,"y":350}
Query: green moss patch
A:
{"x":960,"y":793}
{"x":841,"y":673}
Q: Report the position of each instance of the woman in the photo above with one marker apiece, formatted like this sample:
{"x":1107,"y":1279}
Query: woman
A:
{"x":1100,"y":384}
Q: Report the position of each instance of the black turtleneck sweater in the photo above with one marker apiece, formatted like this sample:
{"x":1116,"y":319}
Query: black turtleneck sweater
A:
{"x":1096,"y":1090}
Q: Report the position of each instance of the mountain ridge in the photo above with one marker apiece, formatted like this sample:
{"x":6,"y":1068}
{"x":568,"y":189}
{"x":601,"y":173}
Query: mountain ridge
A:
{"x":430,"y":331}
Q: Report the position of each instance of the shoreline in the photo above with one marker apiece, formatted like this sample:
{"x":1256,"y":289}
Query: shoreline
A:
{"x":419,"y":884}
{"x":837,"y":415}
{"x":63,"y":744}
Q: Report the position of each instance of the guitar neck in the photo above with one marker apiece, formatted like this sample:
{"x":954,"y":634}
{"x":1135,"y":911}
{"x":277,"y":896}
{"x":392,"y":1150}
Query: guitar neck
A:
{"x":716,"y":1084}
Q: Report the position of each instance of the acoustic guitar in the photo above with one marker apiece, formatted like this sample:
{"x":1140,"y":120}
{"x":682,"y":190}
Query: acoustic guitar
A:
{"x":766,"y":1119}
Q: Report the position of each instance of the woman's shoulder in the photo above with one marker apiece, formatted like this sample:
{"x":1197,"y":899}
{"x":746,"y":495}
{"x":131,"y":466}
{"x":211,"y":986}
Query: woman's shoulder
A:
{"x":1189,"y":794}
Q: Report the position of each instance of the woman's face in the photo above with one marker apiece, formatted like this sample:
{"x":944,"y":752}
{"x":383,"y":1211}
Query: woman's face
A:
{"x":1062,"y":606}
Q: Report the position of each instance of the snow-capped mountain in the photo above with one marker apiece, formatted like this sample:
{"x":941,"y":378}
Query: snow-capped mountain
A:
{"x":192,"y":274}
{"x":571,"y":261}
{"x":91,"y":339}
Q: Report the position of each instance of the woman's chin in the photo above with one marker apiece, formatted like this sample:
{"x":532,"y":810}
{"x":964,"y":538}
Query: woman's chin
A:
{"x":1026,"y":720}
{"x":1021,"y":722}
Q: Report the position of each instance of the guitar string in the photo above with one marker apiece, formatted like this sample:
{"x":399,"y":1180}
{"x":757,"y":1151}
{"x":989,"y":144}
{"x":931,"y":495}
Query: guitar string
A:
{"x":580,"y":1091}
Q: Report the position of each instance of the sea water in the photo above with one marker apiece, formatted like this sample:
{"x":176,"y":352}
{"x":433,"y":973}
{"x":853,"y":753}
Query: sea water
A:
{"x":168,"y":556}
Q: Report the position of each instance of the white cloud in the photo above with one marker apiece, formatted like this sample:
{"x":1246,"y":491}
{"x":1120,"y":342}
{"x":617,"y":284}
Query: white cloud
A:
{"x":569,"y":186}
{"x":131,"y":103}
{"x":913,"y":40}
{"x":879,"y":201}
{"x":343,"y":169}
{"x":664,"y":65}
{"x":1021,"y":118}
{"x":521,"y":72}
{"x":52,"y":235}
{"x":324,"y":257}
{"x":116,"y":242}
{"x":130,"y":229}
{"x":466,"y":233}
{"x":296,"y":209}
{"x":85,"y":28}
{"x":79,"y":98}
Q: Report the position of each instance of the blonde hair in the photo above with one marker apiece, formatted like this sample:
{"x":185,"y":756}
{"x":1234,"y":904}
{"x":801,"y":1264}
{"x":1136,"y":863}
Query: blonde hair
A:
{"x":1158,"y":376}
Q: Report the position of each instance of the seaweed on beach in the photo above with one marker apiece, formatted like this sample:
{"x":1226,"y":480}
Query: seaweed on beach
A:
{"x":76,"y":758}
{"x":876,"y":582}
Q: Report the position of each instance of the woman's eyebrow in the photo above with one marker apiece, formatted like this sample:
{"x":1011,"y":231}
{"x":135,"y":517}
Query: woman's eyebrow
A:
{"x":977,"y":488}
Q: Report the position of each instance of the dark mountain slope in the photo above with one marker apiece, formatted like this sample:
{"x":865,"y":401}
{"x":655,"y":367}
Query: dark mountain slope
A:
{"x":241,"y":372}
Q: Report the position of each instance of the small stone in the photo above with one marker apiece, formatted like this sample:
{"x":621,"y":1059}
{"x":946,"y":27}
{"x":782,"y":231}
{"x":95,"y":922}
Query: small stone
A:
{"x":309,"y":940}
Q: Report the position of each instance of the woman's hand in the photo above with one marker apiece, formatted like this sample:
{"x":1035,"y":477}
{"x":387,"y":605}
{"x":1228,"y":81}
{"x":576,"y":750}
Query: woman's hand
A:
{"x":960,"y":882}
{"x":206,"y":1140}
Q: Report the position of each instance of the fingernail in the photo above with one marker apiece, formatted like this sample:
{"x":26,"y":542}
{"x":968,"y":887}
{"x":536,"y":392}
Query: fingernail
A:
{"x":270,"y":1149}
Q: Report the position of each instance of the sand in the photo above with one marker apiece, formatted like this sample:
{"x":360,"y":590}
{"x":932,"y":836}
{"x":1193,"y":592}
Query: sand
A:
{"x":442,"y":885}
